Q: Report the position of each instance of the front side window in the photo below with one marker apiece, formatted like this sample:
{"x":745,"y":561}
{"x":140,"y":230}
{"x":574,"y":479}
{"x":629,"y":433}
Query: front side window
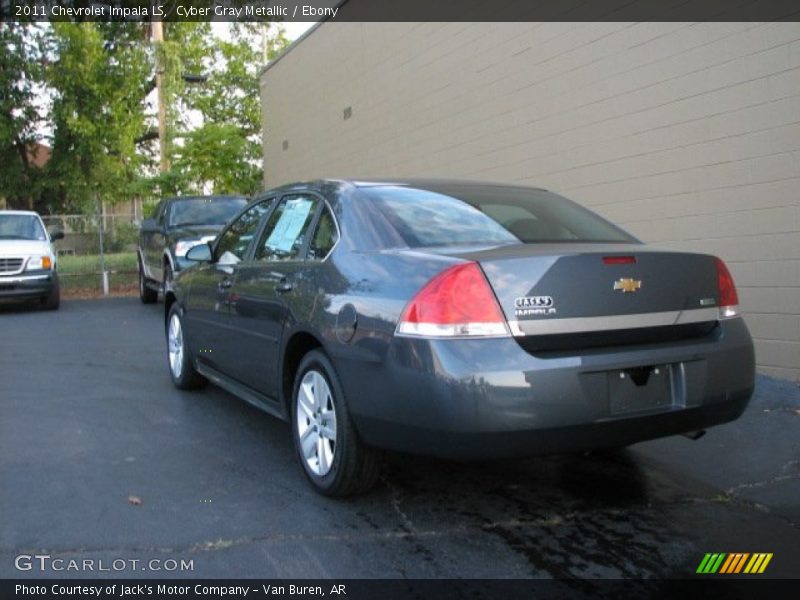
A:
{"x":285,"y":233}
{"x":21,"y":227}
{"x":158,"y":212}
{"x":233,"y":243}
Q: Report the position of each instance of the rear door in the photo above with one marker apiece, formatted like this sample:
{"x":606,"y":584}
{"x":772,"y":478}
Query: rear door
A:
{"x":265,"y":286}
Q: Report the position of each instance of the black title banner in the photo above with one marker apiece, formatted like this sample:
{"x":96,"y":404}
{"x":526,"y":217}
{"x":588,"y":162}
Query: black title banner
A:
{"x":399,"y":10}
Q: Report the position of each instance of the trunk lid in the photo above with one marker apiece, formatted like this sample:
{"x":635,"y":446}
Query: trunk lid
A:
{"x":559,"y":289}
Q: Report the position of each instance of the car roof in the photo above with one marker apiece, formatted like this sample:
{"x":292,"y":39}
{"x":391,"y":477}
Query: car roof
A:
{"x":423,"y":182}
{"x":19,"y":212}
{"x":209,"y":197}
{"x":432,"y":184}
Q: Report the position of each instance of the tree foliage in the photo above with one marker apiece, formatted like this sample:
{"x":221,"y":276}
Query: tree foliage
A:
{"x":224,"y":152}
{"x":99,"y":79}
{"x":21,"y":75}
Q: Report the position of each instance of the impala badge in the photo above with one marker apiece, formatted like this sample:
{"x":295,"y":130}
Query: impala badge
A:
{"x":627,"y":285}
{"x":534,"y":306}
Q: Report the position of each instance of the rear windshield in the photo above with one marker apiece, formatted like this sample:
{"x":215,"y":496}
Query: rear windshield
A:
{"x":476,"y":214}
{"x":204,"y":211}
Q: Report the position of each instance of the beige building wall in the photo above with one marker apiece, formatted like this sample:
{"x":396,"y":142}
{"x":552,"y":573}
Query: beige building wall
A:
{"x":686,"y":134}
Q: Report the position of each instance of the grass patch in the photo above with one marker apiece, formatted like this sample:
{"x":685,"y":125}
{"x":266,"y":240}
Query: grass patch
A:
{"x":83,"y":272}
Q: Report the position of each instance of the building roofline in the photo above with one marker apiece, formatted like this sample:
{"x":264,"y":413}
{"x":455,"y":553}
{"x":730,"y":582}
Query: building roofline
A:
{"x":297,"y":42}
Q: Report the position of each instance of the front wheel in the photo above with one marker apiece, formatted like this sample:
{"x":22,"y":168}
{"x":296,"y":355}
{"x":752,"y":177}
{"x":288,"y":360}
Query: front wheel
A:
{"x":53,"y":299}
{"x":335,"y":460}
{"x":181,"y":367}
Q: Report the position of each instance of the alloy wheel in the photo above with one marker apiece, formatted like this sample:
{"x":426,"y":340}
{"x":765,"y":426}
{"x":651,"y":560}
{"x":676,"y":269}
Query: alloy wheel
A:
{"x":316,"y":422}
{"x":175,"y":344}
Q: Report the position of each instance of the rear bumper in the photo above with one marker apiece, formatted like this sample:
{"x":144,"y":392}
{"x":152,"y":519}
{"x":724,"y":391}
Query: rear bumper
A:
{"x":30,"y":285}
{"x":477,"y":399}
{"x":483,"y":445}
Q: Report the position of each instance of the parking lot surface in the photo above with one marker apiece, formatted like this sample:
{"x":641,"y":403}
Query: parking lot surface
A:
{"x":101,"y":458}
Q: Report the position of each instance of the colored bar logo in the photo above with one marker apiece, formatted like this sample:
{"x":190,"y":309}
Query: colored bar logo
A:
{"x":734,"y":563}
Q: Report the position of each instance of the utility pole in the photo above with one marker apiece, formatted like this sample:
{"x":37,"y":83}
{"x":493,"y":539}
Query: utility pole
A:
{"x":157,"y":36}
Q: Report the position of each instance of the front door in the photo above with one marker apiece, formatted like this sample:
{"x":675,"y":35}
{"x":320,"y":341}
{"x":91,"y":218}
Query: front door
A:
{"x":263,"y":288}
{"x":206,"y":312}
{"x":208,"y":304}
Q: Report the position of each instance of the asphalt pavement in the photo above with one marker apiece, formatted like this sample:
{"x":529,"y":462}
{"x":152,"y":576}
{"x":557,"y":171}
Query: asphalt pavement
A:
{"x":102,"y":459}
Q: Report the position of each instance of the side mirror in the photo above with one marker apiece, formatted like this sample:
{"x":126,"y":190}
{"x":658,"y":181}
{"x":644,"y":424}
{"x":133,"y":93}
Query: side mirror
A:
{"x":199,"y":253}
{"x":56,"y":235}
{"x":150,"y":226}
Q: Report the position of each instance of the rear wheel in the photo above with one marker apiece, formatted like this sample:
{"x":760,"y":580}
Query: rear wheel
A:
{"x":335,"y":460}
{"x":146,"y":294}
{"x":181,"y":366}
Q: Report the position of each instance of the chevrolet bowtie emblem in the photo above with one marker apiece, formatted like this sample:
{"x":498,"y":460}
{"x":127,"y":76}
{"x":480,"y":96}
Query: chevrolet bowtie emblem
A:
{"x":627,"y":285}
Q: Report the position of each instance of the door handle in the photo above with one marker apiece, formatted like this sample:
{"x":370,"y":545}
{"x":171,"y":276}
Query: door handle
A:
{"x":224,"y":284}
{"x":284,"y":286}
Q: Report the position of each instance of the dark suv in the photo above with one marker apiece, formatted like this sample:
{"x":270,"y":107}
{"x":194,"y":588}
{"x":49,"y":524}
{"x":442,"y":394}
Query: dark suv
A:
{"x":176,"y":225}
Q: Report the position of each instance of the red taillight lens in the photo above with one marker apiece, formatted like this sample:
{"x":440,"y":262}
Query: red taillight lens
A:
{"x":728,"y":298}
{"x":457,"y":302}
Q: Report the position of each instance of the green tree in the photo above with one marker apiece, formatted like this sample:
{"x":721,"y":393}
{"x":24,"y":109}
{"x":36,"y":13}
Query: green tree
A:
{"x":21,"y":77}
{"x":224,"y":151}
{"x":182,"y":54}
{"x":98,"y":76}
{"x":99,"y":80}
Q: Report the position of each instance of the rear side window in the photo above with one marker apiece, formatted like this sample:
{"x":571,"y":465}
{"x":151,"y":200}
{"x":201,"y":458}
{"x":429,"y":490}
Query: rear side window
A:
{"x":485,"y":214}
{"x":325,"y":236}
{"x":157,"y":210}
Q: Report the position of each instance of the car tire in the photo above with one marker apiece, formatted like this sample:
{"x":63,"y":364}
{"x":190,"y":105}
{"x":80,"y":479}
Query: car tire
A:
{"x":53,"y":300}
{"x":333,"y":457}
{"x":179,"y":359}
{"x":146,"y":294}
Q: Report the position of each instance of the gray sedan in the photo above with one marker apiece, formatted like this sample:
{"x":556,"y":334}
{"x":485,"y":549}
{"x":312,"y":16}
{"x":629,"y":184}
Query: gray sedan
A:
{"x":454,"y":319}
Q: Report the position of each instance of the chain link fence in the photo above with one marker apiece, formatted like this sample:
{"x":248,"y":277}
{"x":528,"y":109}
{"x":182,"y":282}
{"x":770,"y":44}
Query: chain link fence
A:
{"x":98,"y":253}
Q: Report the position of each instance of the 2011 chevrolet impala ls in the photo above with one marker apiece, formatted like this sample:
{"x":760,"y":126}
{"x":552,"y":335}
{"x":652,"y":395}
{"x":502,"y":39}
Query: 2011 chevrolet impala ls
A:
{"x":454,"y":319}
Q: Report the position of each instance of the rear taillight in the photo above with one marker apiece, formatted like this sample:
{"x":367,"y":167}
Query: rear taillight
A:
{"x":458,"y":302}
{"x":726,"y":289}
